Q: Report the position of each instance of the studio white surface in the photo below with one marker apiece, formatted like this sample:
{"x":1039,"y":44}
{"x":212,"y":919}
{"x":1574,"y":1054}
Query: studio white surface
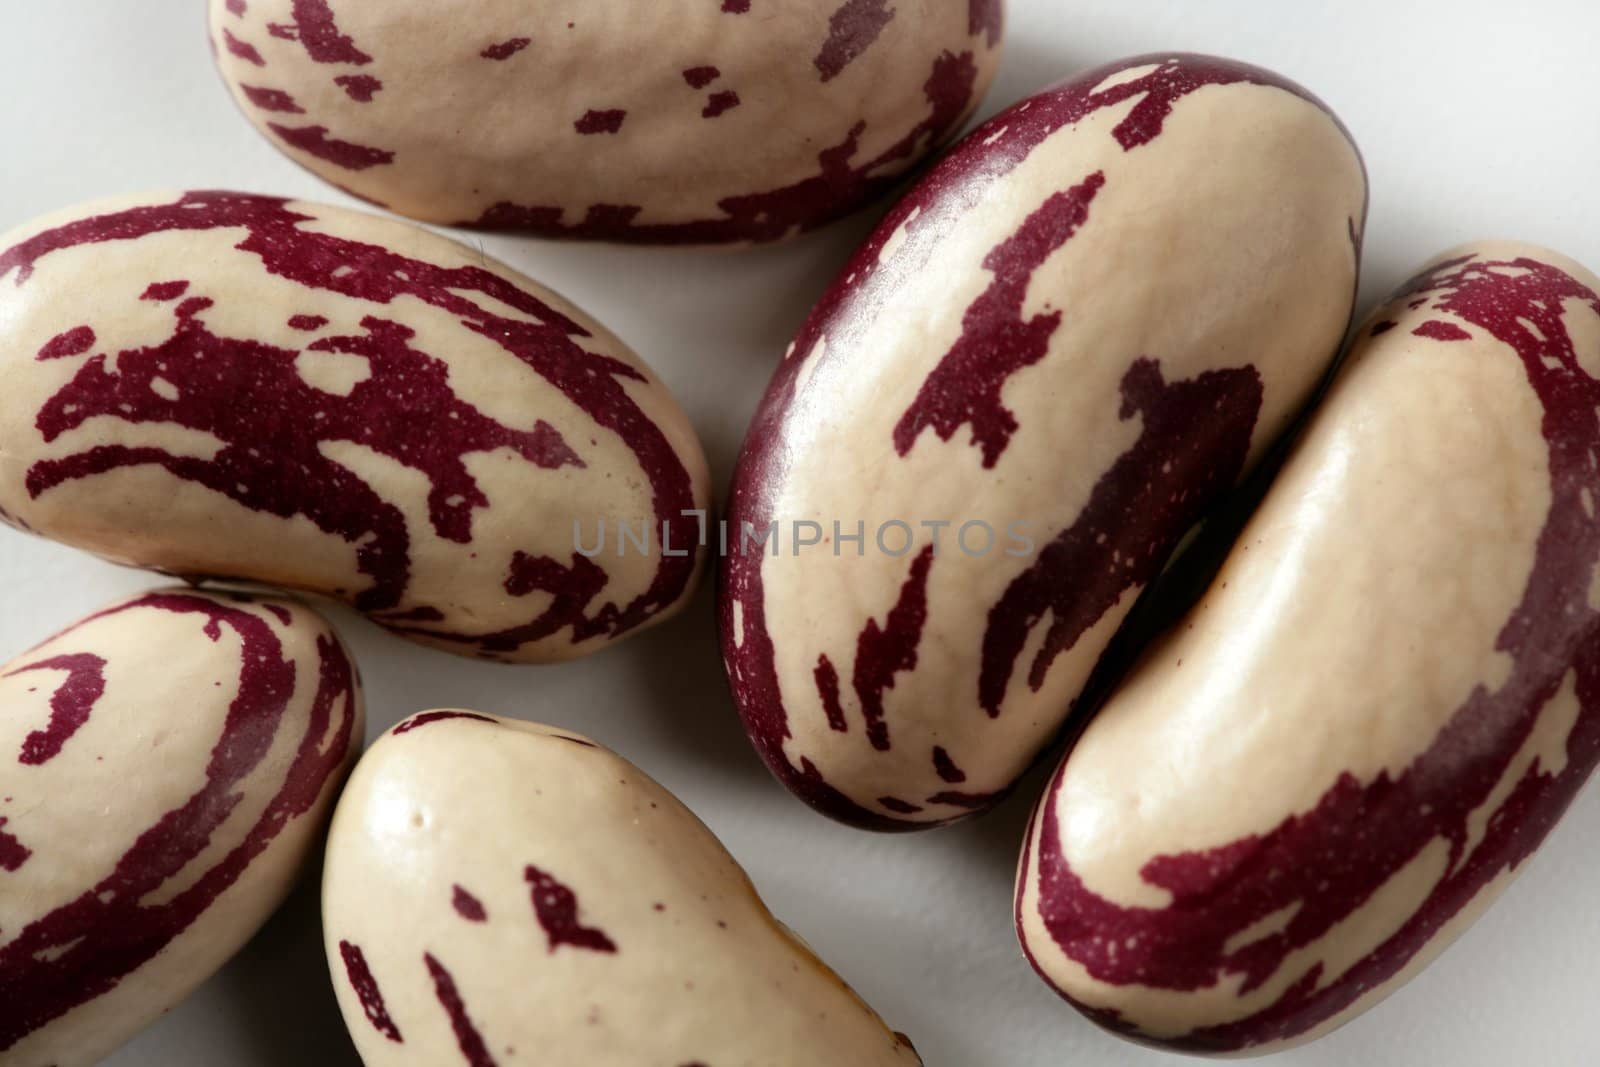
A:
{"x":1476,"y":119}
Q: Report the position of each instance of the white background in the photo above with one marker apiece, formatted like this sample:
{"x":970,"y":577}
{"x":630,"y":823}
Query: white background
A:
{"x":1477,"y":119}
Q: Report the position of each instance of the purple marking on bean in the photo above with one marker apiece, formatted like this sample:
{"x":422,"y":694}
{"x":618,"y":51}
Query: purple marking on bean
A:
{"x":826,"y":675}
{"x":736,"y":7}
{"x":506,"y":49}
{"x":946,"y":767}
{"x":70,"y":705}
{"x":900,"y":807}
{"x":73,"y":342}
{"x":236,"y":7}
{"x":556,"y":908}
{"x":359,"y":87}
{"x":882,"y":652}
{"x":548,"y":344}
{"x":717,"y":103}
{"x":973,"y":801}
{"x":160,"y":292}
{"x":314,"y":140}
{"x":986,"y":17}
{"x":13,"y":853}
{"x":1326,"y":861}
{"x":307,"y":323}
{"x":242,"y":49}
{"x":1193,"y":443}
{"x":468,"y":906}
{"x":279,"y":612}
{"x":86,"y":947}
{"x":318,"y":32}
{"x":367,"y":991}
{"x":471,"y":1043}
{"x":852,"y":29}
{"x":594,"y":122}
{"x":418,"y":721}
{"x":996,"y":341}
{"x":700,"y":77}
{"x":837,"y":188}
{"x":1438,"y":330}
{"x":271,"y":99}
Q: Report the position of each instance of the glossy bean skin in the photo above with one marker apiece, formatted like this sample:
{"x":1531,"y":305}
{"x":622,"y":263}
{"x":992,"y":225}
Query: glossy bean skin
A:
{"x":1076,"y":332}
{"x":223,"y":384}
{"x":660,"y":121}
{"x":542,"y":898}
{"x":1384,"y":701}
{"x":167,"y":766}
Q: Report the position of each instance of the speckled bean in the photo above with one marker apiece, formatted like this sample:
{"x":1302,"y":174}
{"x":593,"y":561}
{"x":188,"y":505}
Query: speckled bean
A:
{"x":1381,"y":706}
{"x":499,"y":892}
{"x":1076,"y":332}
{"x":682,"y":121}
{"x":166,"y":769}
{"x":221,"y":384}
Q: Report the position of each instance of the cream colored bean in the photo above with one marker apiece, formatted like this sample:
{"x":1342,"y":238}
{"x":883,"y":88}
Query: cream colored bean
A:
{"x":166,"y":769}
{"x":236,"y":385}
{"x":1075,"y":333}
{"x":498,"y":891}
{"x":1380,"y":707}
{"x":682,"y":121}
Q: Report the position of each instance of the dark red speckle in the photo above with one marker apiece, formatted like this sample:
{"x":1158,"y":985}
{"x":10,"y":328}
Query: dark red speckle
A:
{"x":359,"y":87}
{"x":600,"y":121}
{"x":700,"y":77}
{"x":73,"y":342}
{"x":271,"y":100}
{"x":1439,"y":330}
{"x":160,"y":292}
{"x":736,"y":7}
{"x":468,"y":906}
{"x":471,"y":1043}
{"x":242,"y":49}
{"x":852,"y":29}
{"x":506,"y":49}
{"x":314,"y":140}
{"x":307,"y":323}
{"x":946,"y":767}
{"x":13,"y":853}
{"x":717,"y":103}
{"x":556,"y":907}
{"x":881,"y":653}
{"x":236,"y":7}
{"x":318,"y":32}
{"x":366,"y":987}
{"x":986,"y":17}
{"x":70,"y":704}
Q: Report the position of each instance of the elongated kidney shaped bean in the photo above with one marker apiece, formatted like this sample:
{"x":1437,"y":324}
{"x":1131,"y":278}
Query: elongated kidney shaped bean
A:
{"x":236,"y":385}
{"x":166,"y":767}
{"x":637,"y":120}
{"x":1048,"y":363}
{"x":498,"y":892}
{"x":1383,"y":703}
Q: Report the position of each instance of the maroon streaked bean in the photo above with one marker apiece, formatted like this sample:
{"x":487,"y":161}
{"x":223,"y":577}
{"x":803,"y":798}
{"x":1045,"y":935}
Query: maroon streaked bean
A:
{"x":1077,"y":331}
{"x":1381,"y":706}
{"x":673,"y":121}
{"x":166,"y":769}
{"x":500,"y":892}
{"x":222,"y":384}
